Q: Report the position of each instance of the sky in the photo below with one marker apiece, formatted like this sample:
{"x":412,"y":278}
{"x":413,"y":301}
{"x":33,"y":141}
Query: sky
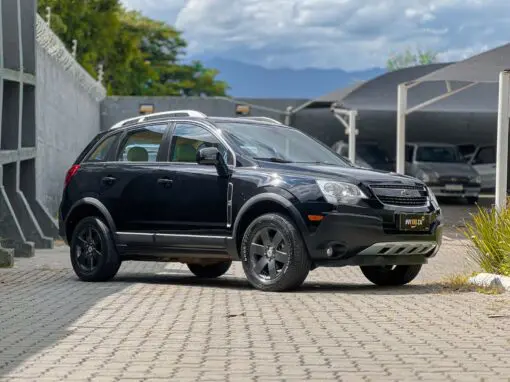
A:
{"x":332,"y":34}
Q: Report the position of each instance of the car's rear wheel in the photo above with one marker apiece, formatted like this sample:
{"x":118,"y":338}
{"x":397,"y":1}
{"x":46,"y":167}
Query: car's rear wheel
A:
{"x":210,"y":271}
{"x":93,"y":253}
{"x":391,"y":275}
{"x":274,"y":255}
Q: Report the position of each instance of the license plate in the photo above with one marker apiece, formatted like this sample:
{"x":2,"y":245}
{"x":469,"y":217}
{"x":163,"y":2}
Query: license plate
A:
{"x":454,"y":187}
{"x":417,"y":222}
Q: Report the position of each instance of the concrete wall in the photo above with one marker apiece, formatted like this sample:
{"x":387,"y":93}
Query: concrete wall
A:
{"x":67,"y":118}
{"x":115,"y":109}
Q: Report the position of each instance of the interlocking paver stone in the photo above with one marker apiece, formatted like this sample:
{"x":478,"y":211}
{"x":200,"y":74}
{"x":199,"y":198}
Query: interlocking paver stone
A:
{"x":157,"y":322}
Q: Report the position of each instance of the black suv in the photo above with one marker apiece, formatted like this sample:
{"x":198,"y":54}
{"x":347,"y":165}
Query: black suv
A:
{"x":207,"y":191}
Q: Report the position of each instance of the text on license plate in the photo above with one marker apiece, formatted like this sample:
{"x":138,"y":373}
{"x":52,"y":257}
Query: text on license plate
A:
{"x":454,"y":187}
{"x":414,"y":222}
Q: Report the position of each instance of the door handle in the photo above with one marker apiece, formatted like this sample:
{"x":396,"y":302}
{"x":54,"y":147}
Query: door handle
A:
{"x":109,"y":180}
{"x":165,"y":182}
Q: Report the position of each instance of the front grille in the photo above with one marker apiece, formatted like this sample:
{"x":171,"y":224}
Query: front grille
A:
{"x":401,"y":195}
{"x":453,"y":180}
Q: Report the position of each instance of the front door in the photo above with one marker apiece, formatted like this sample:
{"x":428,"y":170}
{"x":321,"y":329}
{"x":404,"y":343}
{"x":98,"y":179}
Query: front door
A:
{"x":198,"y":201}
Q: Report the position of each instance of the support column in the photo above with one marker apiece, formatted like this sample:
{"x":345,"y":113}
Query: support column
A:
{"x":401,"y":128}
{"x":352,"y":135}
{"x":502,"y":142}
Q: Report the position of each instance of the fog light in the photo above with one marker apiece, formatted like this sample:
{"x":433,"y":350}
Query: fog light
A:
{"x":329,"y":251}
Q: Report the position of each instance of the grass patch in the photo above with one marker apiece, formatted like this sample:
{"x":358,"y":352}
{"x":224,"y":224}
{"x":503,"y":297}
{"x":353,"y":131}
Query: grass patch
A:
{"x":489,"y":232}
{"x":460,"y":283}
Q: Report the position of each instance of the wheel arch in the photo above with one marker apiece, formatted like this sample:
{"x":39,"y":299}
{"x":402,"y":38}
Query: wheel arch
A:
{"x":87,"y":206}
{"x":266,"y":203}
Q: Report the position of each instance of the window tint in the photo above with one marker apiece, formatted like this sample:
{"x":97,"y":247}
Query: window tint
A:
{"x":187,"y":139}
{"x":439,"y":154}
{"x":487,"y":155}
{"x":101,"y":151}
{"x":142,"y":145}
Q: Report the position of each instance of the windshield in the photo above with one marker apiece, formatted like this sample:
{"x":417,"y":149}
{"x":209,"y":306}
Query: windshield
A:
{"x":443,"y":154}
{"x":373,"y":154}
{"x":278,"y":144}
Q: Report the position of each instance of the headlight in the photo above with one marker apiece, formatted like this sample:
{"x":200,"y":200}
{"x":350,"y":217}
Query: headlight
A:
{"x":476,"y":179}
{"x":428,"y":177}
{"x":340,"y":193}
{"x":433,"y":199}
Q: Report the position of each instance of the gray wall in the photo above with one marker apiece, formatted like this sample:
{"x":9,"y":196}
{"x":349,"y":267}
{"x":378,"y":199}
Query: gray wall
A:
{"x":67,"y":118}
{"x":115,"y":109}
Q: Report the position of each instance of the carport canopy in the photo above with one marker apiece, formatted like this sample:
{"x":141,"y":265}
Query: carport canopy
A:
{"x":492,"y":66}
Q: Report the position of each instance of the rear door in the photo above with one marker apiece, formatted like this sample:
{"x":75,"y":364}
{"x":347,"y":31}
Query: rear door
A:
{"x":130,"y":181}
{"x":484,"y":162}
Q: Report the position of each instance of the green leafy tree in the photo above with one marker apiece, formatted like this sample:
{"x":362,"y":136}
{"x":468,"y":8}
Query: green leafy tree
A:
{"x":140,"y":56}
{"x":410,"y":58}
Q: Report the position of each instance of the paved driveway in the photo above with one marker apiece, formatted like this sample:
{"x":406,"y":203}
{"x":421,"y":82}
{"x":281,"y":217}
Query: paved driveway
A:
{"x":157,"y":322}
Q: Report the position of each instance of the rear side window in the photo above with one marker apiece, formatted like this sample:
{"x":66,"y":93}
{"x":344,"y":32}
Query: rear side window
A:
{"x":100,"y":153}
{"x":142,"y":145}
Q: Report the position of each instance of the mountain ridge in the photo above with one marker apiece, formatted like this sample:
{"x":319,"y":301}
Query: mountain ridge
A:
{"x":250,"y":80}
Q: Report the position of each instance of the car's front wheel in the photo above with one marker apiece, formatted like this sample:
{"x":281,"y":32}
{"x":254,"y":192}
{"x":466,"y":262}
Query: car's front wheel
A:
{"x":93,"y":253}
{"x":210,"y":271}
{"x":273,"y":254}
{"x":472,"y":200}
{"x":391,"y":275}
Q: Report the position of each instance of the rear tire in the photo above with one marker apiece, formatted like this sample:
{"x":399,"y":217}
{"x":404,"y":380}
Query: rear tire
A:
{"x":93,"y":253}
{"x":274,"y":255}
{"x":391,"y":275}
{"x":210,"y":271}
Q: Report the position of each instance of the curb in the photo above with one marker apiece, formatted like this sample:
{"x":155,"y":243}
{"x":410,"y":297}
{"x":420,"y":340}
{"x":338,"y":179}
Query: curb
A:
{"x":491,"y":280}
{"x":6,"y":258}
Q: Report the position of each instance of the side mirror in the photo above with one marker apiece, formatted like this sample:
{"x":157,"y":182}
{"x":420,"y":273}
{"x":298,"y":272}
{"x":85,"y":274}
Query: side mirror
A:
{"x":209,"y":156}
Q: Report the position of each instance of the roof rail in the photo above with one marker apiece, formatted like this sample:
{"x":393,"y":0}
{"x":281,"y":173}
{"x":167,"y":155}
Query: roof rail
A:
{"x":160,"y":115}
{"x":264,"y":119}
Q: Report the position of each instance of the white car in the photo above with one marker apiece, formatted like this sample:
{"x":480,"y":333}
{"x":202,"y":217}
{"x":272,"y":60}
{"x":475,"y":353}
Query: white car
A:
{"x":484,"y":162}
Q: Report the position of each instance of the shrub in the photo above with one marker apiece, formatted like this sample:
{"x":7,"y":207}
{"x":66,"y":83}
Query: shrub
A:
{"x":489,"y":231}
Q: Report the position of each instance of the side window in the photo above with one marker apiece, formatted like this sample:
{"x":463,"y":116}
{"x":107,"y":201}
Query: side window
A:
{"x":409,"y":153}
{"x":101,"y":152}
{"x":487,"y":155}
{"x":142,"y":145}
{"x":187,"y":139}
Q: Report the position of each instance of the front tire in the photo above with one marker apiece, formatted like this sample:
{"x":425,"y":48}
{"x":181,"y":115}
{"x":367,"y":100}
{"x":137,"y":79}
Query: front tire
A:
{"x":391,"y":275}
{"x":93,"y":253}
{"x":472,"y":200}
{"x":210,"y":271}
{"x":274,"y":255}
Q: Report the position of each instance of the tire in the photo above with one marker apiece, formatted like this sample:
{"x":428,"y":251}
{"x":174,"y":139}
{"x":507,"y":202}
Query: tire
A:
{"x":391,"y":276}
{"x":106,"y":260}
{"x":472,"y":200}
{"x":282,"y":268}
{"x":210,"y":271}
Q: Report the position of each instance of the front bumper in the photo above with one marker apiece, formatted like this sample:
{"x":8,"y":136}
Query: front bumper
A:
{"x":357,"y":239}
{"x":465,"y":192}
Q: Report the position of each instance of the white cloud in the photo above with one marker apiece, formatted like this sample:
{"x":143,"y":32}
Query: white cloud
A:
{"x":349,"y":34}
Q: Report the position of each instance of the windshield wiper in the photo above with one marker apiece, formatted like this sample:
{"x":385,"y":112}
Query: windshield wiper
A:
{"x":273,"y":159}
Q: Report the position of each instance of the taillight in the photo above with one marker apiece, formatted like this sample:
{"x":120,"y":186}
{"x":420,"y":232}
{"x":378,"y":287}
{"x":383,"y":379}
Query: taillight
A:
{"x":70,"y":173}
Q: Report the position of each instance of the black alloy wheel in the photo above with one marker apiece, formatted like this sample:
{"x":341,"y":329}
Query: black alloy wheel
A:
{"x":268,"y":253}
{"x":273,"y":254}
{"x":93,"y":253}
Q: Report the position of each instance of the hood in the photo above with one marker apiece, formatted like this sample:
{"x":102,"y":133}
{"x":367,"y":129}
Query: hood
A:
{"x":451,"y":169}
{"x":350,"y":174}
